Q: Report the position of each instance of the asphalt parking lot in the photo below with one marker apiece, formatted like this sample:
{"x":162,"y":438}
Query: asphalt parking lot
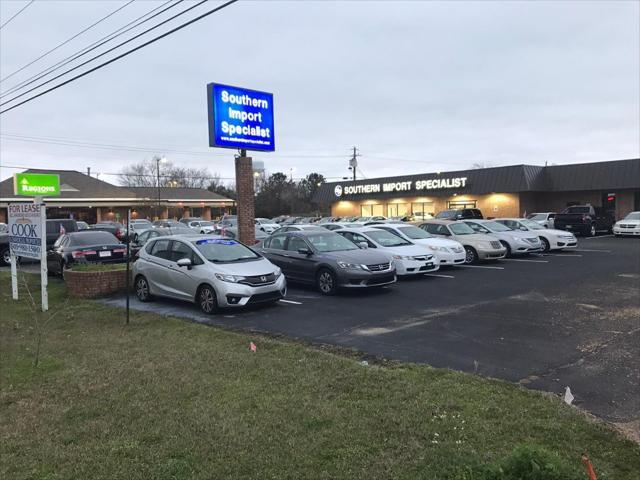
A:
{"x":544,"y":321}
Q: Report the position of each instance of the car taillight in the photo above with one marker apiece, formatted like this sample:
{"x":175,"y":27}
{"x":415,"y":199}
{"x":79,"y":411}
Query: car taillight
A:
{"x":82,"y":253}
{"x":119,"y":250}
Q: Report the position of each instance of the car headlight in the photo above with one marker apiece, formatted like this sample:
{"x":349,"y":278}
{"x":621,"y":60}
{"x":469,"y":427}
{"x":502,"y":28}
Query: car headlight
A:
{"x":518,"y":239}
{"x":277,"y":272}
{"x":438,"y":249}
{"x":402,"y":257}
{"x":230,"y":278}
{"x":352,"y":266}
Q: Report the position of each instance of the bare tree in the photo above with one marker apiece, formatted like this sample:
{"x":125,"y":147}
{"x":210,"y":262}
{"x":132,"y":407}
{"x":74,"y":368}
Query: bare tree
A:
{"x":144,"y":174}
{"x":40,"y":319}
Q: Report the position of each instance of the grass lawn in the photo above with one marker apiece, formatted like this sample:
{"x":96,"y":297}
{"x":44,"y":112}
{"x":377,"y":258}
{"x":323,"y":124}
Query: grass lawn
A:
{"x":166,"y":399}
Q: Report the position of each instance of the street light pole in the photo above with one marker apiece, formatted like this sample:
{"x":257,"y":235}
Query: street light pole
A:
{"x":158,"y":161}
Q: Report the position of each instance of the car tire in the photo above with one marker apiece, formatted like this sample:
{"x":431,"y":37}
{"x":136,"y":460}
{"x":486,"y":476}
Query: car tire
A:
{"x":143,"y":291}
{"x":327,"y":282}
{"x":5,"y":256}
{"x":546,"y":246}
{"x":470,"y":256}
{"x":592,"y":230}
{"x":508,"y":247}
{"x":207,"y":299}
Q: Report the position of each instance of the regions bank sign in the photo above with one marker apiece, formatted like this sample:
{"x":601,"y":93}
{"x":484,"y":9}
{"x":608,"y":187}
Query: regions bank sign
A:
{"x":240,"y":118}
{"x":401,"y":187}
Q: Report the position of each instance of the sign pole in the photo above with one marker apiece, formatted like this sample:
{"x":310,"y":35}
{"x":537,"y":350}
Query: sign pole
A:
{"x":44,"y":280}
{"x":128,"y":257}
{"x":14,"y":276}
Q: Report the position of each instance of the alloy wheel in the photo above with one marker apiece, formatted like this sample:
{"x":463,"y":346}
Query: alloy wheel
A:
{"x":6,"y":256}
{"x":470,"y":255}
{"x":207,"y":300}
{"x":592,"y":231}
{"x":546,"y":246}
{"x":142,"y":289}
{"x":326,"y":283}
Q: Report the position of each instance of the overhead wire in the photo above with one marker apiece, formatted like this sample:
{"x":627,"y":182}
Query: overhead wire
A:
{"x":128,"y":52}
{"x":16,"y":14}
{"x":97,"y":44}
{"x":68,"y":40}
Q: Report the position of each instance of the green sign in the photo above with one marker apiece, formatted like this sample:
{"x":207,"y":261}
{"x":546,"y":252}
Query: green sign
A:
{"x":36,"y":184}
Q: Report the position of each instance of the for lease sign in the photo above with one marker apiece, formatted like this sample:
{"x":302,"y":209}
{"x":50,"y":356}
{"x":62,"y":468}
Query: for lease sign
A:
{"x":25,"y":229}
{"x":240,"y":118}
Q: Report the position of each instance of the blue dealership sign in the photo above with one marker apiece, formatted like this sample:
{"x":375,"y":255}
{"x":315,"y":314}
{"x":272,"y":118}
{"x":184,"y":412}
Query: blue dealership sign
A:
{"x":240,"y":118}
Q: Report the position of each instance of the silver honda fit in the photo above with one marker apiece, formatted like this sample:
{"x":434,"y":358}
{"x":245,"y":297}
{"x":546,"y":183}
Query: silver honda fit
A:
{"x":209,"y":270}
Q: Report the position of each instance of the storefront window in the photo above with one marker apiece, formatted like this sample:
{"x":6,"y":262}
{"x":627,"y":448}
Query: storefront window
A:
{"x":397,"y":209}
{"x":422,"y":210}
{"x":371,"y":210}
{"x":461,"y":204}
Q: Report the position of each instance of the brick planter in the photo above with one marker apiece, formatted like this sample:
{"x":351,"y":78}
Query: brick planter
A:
{"x":95,"y":284}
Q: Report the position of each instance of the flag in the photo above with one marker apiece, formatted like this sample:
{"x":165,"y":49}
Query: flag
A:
{"x":568,"y":397}
{"x":589,"y":467}
{"x":252,"y":347}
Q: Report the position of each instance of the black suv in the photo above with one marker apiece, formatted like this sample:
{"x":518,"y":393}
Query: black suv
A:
{"x":460,"y":214}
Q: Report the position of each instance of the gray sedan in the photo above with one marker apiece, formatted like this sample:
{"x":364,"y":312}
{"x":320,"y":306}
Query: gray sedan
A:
{"x":515,"y":241}
{"x":327,"y":260}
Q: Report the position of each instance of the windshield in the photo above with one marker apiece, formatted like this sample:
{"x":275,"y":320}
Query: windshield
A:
{"x":330,"y":242}
{"x":497,"y":227}
{"x":414,"y":233}
{"x":633,"y":216}
{"x":577,"y":210}
{"x":537,"y":216}
{"x":531,"y":225}
{"x":387,"y":239}
{"x":218,"y":250}
{"x":92,"y":238}
{"x":207,"y":224}
{"x":263,"y":220}
{"x":461,"y":229}
{"x":140,"y":222}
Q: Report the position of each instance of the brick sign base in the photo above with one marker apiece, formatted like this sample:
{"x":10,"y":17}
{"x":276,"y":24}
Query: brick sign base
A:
{"x":95,"y":284}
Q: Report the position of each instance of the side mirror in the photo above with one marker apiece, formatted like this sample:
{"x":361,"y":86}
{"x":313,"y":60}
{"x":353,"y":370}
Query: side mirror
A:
{"x":184,"y":262}
{"x":304,"y":251}
{"x":363,"y":245}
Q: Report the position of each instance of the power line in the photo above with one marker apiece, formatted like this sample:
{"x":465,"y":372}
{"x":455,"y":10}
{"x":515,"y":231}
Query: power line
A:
{"x":68,"y":40}
{"x":97,"y":44}
{"x":16,"y":14}
{"x":115,"y":58}
{"x":133,"y":148}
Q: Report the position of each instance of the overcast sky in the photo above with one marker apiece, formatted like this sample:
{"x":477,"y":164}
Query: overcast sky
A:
{"x":416,"y":86}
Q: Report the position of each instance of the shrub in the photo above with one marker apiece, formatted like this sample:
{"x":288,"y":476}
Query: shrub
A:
{"x":98,"y":267}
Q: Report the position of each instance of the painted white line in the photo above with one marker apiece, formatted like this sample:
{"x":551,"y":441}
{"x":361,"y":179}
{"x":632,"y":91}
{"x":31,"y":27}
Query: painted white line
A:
{"x":291,"y":301}
{"x":480,"y":266}
{"x":564,"y":255}
{"x":523,"y":260}
{"x":437,"y":275}
{"x":593,"y":238}
{"x":585,"y":250}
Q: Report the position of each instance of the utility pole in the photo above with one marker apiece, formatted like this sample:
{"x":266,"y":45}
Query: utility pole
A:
{"x":88,"y":171}
{"x":353,"y":162}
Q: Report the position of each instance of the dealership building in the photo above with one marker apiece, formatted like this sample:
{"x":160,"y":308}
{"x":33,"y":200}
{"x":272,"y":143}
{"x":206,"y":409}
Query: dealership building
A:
{"x":509,"y":191}
{"x":83,"y":197}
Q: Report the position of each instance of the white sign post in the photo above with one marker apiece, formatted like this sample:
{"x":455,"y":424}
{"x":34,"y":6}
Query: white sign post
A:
{"x":28,"y":239}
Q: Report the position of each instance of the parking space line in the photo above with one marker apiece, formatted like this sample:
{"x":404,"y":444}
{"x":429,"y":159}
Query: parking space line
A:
{"x":523,"y":260}
{"x":480,"y":266}
{"x":593,"y":238}
{"x":585,"y":250}
{"x":438,"y":275}
{"x":563,"y":255}
{"x":290,"y":301}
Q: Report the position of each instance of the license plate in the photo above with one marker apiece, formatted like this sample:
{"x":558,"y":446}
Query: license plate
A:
{"x":569,"y":227}
{"x":104,"y":254}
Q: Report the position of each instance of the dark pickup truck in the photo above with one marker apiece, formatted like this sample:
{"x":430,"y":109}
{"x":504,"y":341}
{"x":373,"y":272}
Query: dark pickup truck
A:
{"x":584,"y":219}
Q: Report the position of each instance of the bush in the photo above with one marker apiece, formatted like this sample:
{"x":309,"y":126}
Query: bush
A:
{"x":98,"y":267}
{"x":526,"y":462}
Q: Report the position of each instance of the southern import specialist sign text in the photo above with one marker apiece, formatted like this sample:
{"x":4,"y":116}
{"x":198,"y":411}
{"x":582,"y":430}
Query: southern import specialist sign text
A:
{"x":240,"y":118}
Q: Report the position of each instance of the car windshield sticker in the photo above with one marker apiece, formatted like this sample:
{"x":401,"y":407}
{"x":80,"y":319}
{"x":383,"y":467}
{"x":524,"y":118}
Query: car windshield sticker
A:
{"x":217,"y":241}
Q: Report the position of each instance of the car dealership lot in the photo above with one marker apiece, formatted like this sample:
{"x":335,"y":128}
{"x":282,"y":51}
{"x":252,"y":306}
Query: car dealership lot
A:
{"x":545,"y":321}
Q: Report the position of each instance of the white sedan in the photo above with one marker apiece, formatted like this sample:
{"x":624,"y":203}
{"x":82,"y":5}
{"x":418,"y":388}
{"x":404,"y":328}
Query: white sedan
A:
{"x":447,"y":252}
{"x":516,"y":242}
{"x":409,"y":258}
{"x":629,"y":225}
{"x":551,"y":239}
{"x":266,"y":225}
